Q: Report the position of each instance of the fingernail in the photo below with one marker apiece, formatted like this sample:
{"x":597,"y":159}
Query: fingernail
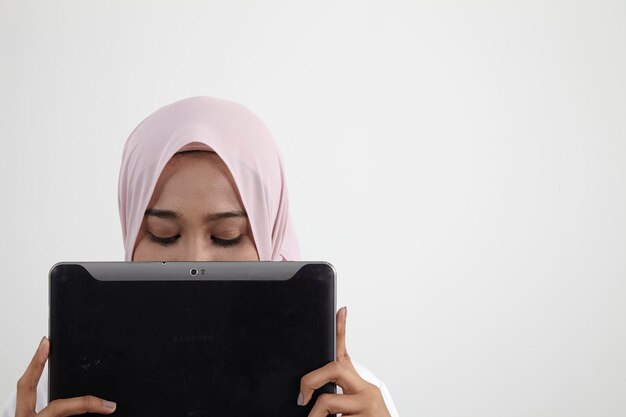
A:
{"x":42,"y":339}
{"x":300,"y":399}
{"x":109,"y":404}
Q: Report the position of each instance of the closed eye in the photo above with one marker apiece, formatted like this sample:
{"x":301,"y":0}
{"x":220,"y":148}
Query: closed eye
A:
{"x":168,"y":241}
{"x":163,"y":241}
{"x":226,"y":242}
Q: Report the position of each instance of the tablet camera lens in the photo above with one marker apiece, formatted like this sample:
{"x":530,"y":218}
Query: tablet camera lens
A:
{"x":193,"y":271}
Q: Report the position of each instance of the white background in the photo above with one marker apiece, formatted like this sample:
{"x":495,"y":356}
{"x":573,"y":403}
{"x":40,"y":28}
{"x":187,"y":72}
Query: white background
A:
{"x":462,"y":164}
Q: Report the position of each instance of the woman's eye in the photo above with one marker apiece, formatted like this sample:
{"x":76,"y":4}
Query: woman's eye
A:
{"x":163,"y":241}
{"x":167,"y":241}
{"x":226,"y":242}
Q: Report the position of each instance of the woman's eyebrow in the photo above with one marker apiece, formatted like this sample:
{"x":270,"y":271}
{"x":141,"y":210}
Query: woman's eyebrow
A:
{"x":223,"y":215}
{"x":169,"y":214}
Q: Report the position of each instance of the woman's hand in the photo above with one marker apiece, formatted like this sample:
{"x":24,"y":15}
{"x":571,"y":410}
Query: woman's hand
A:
{"x":359,"y":398}
{"x":27,"y":393}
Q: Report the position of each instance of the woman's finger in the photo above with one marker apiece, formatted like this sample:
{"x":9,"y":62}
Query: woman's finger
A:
{"x":336,"y":372}
{"x":335,"y":403}
{"x":342,"y":351}
{"x":26,"y":396}
{"x":77,"y":405}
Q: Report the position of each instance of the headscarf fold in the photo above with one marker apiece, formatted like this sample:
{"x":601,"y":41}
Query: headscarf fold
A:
{"x":240,"y":139}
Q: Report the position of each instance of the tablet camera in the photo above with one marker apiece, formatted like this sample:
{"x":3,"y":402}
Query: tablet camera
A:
{"x":193,"y":272}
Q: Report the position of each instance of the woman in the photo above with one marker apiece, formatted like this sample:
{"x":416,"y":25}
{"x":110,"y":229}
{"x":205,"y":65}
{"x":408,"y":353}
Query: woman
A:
{"x":203,"y":180}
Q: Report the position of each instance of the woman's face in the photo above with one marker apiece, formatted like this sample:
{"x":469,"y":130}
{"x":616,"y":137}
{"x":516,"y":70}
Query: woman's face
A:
{"x":195,"y":214}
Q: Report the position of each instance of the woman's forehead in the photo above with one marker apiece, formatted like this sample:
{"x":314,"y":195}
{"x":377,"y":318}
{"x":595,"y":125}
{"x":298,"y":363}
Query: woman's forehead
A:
{"x":196,"y":179}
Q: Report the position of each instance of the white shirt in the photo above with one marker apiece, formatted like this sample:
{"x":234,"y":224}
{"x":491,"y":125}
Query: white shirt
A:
{"x":42,"y":392}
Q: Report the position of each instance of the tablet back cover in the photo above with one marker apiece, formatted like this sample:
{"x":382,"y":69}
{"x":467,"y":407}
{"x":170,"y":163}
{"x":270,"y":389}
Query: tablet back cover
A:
{"x":233,"y":341}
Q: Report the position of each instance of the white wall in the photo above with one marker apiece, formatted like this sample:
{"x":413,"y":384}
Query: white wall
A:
{"x":463,"y":164}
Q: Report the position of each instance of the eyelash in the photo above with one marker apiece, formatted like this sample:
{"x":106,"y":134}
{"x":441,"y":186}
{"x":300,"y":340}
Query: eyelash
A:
{"x":225,"y":243}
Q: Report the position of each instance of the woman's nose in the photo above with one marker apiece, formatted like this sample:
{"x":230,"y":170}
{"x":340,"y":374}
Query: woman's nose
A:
{"x":200,"y":250}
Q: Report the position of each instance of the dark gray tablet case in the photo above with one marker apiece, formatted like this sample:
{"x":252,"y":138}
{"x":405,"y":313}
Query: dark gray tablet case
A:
{"x":233,"y":339}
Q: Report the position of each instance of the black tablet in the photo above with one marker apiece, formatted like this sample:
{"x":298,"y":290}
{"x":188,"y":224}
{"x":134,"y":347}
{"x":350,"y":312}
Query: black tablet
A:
{"x":190,"y":339}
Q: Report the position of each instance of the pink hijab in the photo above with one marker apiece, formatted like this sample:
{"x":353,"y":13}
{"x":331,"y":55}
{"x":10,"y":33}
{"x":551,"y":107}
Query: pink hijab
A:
{"x":242,"y":141}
